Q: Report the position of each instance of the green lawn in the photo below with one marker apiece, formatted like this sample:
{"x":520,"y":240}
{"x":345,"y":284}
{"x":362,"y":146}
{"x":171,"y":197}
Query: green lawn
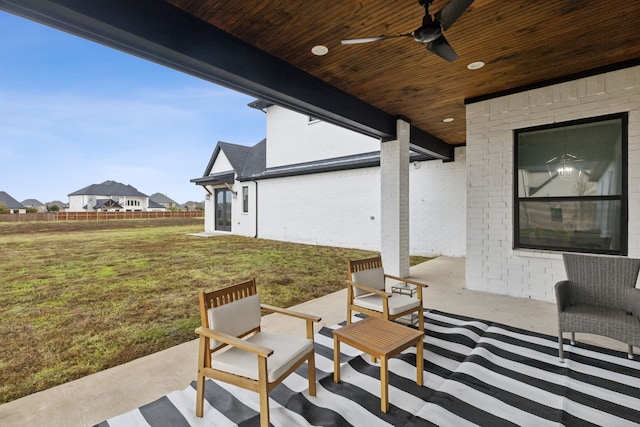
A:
{"x":80,"y":297}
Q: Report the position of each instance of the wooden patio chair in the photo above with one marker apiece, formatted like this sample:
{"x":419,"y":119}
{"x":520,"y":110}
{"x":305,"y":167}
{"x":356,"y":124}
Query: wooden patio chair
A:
{"x":366,"y":292}
{"x":234,"y":350}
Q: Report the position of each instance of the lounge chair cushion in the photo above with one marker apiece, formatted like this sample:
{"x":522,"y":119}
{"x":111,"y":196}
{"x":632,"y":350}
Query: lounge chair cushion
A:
{"x":372,"y":278}
{"x":287,"y":350}
{"x":397,"y":303}
{"x":235,"y":318}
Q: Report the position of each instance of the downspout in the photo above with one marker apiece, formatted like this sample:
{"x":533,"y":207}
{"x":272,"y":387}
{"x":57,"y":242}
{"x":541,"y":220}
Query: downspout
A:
{"x":256,"y":235}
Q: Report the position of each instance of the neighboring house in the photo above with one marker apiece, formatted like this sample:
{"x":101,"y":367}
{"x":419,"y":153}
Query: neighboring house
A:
{"x":164,"y":200}
{"x":11,"y":204}
{"x":313,"y":182}
{"x":193,"y":206}
{"x":110,"y":196}
{"x":61,"y":206}
{"x":156,"y":207}
{"x":34,"y":204}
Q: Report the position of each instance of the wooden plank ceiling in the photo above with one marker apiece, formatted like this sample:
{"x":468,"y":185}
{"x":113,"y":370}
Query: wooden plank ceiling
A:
{"x":522,"y":42}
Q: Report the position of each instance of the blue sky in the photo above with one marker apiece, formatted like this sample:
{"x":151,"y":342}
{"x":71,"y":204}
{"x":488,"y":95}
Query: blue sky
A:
{"x":75,"y":113}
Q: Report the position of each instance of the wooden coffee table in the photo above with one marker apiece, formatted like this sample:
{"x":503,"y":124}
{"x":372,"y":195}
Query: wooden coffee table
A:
{"x":381,"y":339}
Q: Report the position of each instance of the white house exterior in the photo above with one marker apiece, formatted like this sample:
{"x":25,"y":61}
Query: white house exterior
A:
{"x":34,"y":204}
{"x":11,"y":204}
{"x":110,"y":196}
{"x":313,"y":182}
{"x":491,"y":262}
{"x":163,"y":201}
{"x":460,"y":208}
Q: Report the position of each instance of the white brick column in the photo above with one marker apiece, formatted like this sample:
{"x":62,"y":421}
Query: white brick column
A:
{"x":394,"y":200}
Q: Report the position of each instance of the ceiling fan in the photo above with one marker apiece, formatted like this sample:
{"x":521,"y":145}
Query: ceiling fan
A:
{"x":430,"y":32}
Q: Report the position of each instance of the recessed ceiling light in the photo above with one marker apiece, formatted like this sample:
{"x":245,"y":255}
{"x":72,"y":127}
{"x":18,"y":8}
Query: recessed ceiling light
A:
{"x":319,"y":50}
{"x":448,"y":120}
{"x":475,"y":65}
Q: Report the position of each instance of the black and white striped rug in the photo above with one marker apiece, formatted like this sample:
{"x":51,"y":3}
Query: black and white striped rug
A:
{"x":476,"y":373}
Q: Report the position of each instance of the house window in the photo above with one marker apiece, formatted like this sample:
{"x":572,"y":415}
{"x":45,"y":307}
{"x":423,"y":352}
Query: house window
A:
{"x":245,"y":199}
{"x":570,"y":186}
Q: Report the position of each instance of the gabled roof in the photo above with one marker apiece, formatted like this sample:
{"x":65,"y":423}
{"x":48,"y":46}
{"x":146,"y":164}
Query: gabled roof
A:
{"x":32,"y":202}
{"x":244,"y":161}
{"x":106,"y":203}
{"x":253,"y":165}
{"x":108,"y":188}
{"x":9,"y":202}
{"x":161,"y":198}
{"x":236,"y":154}
{"x":156,"y":205}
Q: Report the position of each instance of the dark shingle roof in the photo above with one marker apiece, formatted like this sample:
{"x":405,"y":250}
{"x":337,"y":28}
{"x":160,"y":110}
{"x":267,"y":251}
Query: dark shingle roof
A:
{"x":216,"y":179}
{"x":256,"y":161}
{"x":9,"y":202}
{"x":156,"y":205}
{"x":108,"y":188}
{"x":236,"y":154}
{"x":249,"y":163}
{"x":161,"y":198}
{"x":106,"y":203}
{"x":32,"y":202}
{"x":244,"y":160}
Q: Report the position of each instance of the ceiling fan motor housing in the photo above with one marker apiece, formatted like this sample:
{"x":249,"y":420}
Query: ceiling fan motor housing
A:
{"x":427,"y":34}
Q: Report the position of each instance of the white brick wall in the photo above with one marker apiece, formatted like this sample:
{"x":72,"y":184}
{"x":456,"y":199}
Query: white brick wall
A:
{"x":244,"y":222}
{"x":293,"y":139}
{"x":438,"y":203}
{"x":492,"y":265}
{"x":335,"y":208}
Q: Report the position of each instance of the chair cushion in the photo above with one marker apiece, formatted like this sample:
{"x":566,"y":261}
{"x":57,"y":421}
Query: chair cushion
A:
{"x":235,"y":318}
{"x":287,"y":350}
{"x":397,"y":303}
{"x":372,"y":278}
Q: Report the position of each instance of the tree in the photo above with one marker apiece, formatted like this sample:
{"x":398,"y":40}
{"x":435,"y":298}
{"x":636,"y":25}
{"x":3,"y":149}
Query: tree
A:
{"x":53,"y":208}
{"x":3,"y":208}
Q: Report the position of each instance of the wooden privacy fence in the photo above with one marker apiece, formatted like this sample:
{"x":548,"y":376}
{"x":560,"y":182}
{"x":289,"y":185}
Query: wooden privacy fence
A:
{"x":98,"y":216}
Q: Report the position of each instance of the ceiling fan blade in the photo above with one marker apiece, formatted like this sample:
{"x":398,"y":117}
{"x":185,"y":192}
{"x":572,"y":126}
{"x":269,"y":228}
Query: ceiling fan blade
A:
{"x":451,"y":11}
{"x":443,"y":49}
{"x":372,"y":39}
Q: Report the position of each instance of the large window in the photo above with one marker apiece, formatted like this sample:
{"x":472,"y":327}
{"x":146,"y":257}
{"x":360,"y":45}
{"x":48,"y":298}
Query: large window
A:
{"x":245,"y":199}
{"x":570,"y":186}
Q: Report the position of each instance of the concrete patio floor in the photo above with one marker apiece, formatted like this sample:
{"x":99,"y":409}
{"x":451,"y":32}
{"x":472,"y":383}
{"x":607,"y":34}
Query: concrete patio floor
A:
{"x":95,"y":398}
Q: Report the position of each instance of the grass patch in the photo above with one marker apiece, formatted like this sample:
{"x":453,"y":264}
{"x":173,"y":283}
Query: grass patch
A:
{"x":79,"y":297}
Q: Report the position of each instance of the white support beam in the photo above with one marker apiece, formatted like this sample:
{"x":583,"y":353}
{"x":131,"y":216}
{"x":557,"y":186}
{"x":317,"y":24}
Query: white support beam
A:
{"x":394,"y":211}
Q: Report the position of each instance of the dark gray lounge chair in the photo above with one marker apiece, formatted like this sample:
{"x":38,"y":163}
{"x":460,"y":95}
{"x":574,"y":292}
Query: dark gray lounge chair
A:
{"x":599,"y":297}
